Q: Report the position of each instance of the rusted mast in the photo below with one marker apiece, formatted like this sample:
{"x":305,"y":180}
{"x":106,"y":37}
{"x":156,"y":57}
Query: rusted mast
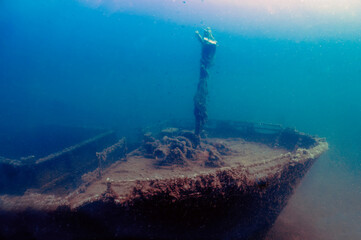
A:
{"x":209,"y":45}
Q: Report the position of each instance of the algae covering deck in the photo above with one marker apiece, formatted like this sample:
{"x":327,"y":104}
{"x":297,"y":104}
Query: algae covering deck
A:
{"x":138,"y":198}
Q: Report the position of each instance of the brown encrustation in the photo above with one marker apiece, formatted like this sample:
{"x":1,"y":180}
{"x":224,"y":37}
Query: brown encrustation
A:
{"x":141,"y":199}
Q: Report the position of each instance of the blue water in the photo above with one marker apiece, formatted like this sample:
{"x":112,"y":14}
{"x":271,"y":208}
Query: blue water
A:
{"x":70,"y":63}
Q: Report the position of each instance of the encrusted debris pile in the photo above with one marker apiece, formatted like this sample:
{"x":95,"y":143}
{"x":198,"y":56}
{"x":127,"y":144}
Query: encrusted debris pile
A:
{"x":179,"y":147}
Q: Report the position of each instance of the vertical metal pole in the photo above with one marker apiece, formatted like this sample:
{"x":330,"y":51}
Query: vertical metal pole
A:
{"x":209,"y":45}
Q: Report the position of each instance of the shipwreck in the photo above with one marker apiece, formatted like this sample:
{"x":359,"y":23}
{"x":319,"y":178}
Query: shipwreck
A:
{"x":233,"y":186}
{"x":215,"y":180}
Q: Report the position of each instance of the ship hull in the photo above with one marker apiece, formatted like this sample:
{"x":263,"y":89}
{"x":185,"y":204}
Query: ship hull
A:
{"x":238,"y":201}
{"x":230,"y":203}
